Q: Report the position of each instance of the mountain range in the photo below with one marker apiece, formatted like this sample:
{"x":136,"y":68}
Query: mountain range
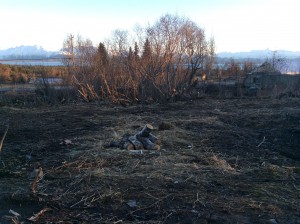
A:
{"x":32,"y":52}
{"x":27,"y":52}
{"x":261,"y":54}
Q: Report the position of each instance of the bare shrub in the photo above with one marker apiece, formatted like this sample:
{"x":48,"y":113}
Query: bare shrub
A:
{"x":53,"y":90}
{"x":173,"y":52}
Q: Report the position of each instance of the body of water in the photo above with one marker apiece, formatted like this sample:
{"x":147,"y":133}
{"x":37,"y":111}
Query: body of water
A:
{"x":32,"y":62}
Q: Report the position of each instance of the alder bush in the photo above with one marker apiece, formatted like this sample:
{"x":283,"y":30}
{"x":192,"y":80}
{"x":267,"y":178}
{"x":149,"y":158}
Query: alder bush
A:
{"x":158,"y":64}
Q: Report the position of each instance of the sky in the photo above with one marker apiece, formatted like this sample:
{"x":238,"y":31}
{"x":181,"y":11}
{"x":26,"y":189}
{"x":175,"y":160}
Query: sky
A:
{"x":236,"y":25}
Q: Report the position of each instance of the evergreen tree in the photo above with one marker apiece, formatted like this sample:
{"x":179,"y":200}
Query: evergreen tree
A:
{"x":103,"y":55}
{"x":146,"y":56}
{"x":136,"y":51}
{"x":130,"y":55}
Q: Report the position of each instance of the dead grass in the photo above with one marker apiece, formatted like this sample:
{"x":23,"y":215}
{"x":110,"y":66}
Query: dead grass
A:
{"x":209,"y":170}
{"x":221,"y":163}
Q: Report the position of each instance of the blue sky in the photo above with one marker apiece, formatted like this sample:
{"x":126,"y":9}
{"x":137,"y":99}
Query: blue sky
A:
{"x":236,"y":25}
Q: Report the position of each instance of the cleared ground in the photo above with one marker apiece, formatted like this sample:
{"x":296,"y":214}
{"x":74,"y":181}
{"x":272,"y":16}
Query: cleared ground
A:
{"x":222,"y":161}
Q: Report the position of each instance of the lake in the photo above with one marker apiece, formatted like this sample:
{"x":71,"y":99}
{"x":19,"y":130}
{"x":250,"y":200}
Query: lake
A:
{"x":52,"y":62}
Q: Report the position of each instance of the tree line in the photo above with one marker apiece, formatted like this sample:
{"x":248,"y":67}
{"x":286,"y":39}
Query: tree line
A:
{"x":161,"y":62}
{"x":158,"y":63}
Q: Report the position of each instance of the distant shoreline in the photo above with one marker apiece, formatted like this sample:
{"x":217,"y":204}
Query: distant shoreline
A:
{"x":33,"y":62}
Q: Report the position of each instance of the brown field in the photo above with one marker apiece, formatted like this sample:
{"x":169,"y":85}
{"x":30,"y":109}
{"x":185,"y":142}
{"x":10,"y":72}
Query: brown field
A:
{"x":221,"y":161}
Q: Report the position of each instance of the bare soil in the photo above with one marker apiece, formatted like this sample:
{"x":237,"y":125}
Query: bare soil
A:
{"x":221,"y":161}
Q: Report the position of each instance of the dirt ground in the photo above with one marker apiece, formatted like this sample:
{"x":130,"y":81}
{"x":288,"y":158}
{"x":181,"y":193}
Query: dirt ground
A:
{"x":221,"y":161}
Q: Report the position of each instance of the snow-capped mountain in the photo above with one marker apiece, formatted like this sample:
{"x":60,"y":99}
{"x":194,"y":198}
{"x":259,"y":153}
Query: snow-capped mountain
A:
{"x":27,"y":52}
{"x":259,"y":54}
{"x":35,"y":51}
